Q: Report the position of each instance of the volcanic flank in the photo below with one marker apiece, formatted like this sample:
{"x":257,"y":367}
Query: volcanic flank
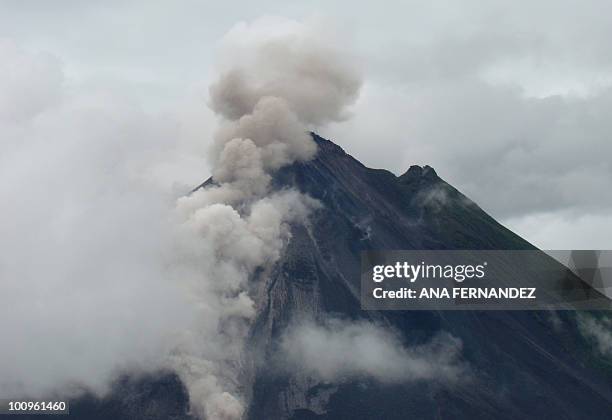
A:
{"x":313,"y":353}
{"x":482,"y":364}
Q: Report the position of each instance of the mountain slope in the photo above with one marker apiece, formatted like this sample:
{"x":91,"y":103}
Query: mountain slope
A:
{"x":522,"y":367}
{"x":522,"y":364}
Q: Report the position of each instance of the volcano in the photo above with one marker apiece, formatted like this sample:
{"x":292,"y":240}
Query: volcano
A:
{"x":524,"y":364}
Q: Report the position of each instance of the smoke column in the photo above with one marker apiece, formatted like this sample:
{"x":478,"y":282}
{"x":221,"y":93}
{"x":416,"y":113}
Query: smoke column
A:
{"x":277,"y":79}
{"x":102,"y":272}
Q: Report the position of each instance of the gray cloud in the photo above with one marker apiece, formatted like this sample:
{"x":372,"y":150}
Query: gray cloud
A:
{"x":516,"y":156}
{"x":509,"y":109}
{"x":469,"y":88}
{"x":487,"y":139}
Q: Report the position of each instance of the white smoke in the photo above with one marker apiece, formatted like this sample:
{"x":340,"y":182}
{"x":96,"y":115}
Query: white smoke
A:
{"x":339,"y":350}
{"x":278,"y":79}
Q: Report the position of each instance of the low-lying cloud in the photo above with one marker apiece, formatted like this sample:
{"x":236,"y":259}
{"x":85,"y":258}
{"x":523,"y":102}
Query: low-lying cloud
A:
{"x":339,"y":350}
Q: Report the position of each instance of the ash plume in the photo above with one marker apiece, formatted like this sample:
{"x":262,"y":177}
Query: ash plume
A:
{"x":101,"y":266}
{"x":277,"y":80}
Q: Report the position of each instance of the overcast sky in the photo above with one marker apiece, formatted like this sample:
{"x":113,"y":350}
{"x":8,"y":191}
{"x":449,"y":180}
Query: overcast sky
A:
{"x":511,"y":102}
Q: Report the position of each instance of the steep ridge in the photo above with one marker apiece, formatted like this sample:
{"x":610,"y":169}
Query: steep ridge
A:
{"x":522,"y":366}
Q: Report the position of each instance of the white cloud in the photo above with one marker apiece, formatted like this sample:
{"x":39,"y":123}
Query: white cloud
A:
{"x":339,"y":350}
{"x":30,"y":82}
{"x":82,"y":250}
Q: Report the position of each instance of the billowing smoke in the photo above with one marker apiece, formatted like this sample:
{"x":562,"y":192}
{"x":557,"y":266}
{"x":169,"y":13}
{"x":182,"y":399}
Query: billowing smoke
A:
{"x":339,"y":350}
{"x":277,"y":80}
{"x":221,"y":247}
{"x":100,"y":265}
